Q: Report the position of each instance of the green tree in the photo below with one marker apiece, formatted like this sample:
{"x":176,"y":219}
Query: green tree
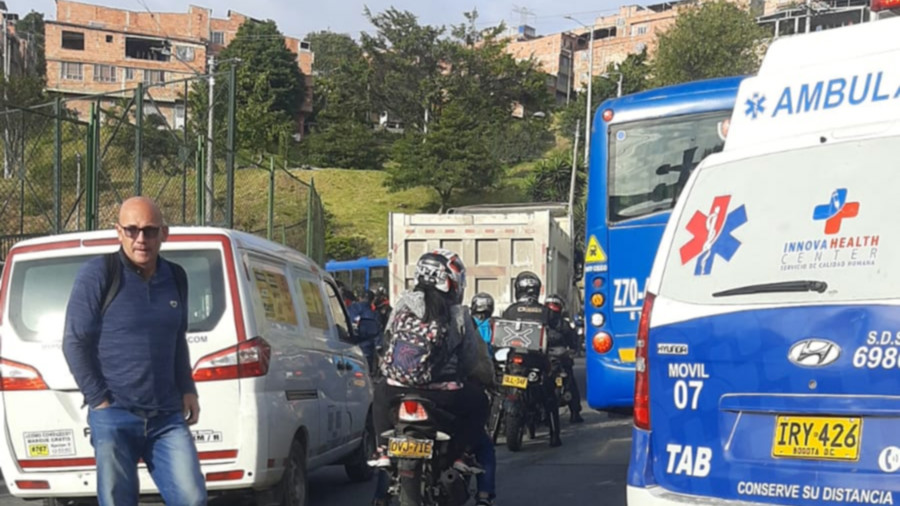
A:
{"x":453,"y":155}
{"x":712,"y":39}
{"x":343,"y":134}
{"x":269,"y":91}
{"x":30,"y":29}
{"x":406,"y":60}
{"x":552,"y":177}
{"x":635,"y":71}
{"x":23,"y":88}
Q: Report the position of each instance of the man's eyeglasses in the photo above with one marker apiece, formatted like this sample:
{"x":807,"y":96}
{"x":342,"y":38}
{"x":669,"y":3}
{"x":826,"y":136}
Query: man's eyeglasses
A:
{"x":132,"y":231}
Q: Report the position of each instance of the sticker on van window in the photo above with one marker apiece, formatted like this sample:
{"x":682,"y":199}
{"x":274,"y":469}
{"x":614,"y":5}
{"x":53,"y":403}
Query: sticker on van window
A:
{"x":50,"y":443}
{"x":713,"y":235}
{"x":831,"y":250}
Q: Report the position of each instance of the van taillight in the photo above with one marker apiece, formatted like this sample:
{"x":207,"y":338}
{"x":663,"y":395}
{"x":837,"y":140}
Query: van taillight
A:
{"x":18,"y":376}
{"x":641,"y":367}
{"x":249,"y":359}
{"x":881,"y":5}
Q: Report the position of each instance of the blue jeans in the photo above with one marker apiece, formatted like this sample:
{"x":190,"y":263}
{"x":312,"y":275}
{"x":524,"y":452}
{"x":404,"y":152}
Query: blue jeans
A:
{"x":122,"y":437}
{"x":484,"y":454}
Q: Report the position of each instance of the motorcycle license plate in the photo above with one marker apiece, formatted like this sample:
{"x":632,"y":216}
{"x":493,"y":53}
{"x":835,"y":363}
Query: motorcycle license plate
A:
{"x":407,"y":448}
{"x":559,"y":382}
{"x":515,"y":381}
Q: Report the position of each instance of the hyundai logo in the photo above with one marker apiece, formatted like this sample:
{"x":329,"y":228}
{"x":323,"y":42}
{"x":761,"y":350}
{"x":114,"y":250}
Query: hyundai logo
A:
{"x":814,"y":352}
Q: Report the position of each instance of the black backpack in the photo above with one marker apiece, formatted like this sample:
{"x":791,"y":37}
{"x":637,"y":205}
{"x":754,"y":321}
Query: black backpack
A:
{"x":114,"y":280}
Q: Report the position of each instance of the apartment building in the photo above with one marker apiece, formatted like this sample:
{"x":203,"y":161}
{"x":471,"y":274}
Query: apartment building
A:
{"x":567,"y":56}
{"x":91,"y":49}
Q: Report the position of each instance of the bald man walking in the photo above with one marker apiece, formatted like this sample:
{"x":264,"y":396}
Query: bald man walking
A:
{"x":130,"y":360}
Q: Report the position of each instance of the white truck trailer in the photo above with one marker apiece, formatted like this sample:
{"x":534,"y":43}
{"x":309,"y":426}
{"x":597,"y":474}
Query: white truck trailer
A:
{"x":496,"y":242}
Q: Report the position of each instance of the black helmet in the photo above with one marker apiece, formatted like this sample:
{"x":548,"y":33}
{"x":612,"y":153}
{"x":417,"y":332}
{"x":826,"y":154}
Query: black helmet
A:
{"x":555,"y":303}
{"x":527,"y":286}
{"x":483,"y":304}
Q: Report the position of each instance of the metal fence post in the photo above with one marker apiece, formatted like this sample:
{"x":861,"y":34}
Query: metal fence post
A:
{"x":270,"y":216}
{"x":90,"y":166}
{"x":138,"y":137}
{"x":229,"y":149}
{"x":309,"y":217}
{"x":201,"y":190}
{"x":57,"y":169}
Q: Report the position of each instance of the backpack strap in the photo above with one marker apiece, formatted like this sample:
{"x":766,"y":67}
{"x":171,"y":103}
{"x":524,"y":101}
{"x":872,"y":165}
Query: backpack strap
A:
{"x":113,"y":280}
{"x":181,"y":282}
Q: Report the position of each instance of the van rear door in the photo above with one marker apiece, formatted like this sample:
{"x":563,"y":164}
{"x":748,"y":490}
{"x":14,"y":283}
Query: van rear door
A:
{"x":45,"y":420}
{"x":774,"y":344}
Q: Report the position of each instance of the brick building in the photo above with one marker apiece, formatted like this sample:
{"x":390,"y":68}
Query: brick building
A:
{"x":91,"y":49}
{"x":553,"y":53}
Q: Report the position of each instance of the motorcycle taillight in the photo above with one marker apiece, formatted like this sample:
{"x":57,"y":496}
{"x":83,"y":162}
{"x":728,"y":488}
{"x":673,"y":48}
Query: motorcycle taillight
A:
{"x":412,"y":411}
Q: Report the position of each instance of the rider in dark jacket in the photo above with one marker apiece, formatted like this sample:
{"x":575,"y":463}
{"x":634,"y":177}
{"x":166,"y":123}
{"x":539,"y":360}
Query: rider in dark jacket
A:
{"x":527,"y":308}
{"x":562,"y":335}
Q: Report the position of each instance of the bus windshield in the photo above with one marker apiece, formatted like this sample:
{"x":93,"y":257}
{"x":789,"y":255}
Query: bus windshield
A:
{"x":650,"y":160}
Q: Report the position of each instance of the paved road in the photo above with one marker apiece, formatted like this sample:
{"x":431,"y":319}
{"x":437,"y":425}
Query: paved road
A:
{"x":590,"y":465}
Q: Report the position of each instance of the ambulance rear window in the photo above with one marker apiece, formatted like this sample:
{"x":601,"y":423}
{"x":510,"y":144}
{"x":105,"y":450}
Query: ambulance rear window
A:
{"x":820,"y":214}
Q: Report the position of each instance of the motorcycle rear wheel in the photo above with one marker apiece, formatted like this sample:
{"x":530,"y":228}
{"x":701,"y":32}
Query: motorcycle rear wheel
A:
{"x":410,"y":493}
{"x":514,"y":432}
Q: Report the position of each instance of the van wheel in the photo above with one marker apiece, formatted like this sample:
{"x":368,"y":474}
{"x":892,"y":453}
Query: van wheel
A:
{"x":358,"y":469}
{"x":294,"y":485}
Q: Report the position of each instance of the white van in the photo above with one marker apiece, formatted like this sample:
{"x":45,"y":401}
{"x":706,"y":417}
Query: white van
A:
{"x":769,"y":343}
{"x":282,"y":388}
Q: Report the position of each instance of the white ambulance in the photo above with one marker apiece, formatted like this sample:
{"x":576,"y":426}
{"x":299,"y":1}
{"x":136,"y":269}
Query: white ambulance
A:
{"x":283,"y":389}
{"x":768,"y":350}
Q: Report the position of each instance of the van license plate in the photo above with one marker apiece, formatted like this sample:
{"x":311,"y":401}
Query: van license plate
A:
{"x":407,"y":448}
{"x":515,"y":381}
{"x":817,"y":438}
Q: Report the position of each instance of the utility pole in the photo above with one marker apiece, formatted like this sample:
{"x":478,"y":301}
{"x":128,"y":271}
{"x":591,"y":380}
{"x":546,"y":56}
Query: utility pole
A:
{"x":587,"y":113}
{"x":4,"y":12}
{"x":210,"y":161}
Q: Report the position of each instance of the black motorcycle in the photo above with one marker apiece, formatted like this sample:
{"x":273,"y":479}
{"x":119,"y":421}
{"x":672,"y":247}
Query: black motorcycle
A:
{"x":563,"y":382}
{"x":526,"y":384}
{"x":422,"y":456}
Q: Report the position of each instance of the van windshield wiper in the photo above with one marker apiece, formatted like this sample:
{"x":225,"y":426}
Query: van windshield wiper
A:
{"x":782,"y":286}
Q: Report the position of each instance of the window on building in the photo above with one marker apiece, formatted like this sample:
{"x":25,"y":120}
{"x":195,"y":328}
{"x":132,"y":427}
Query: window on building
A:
{"x":70,"y":71}
{"x":147,"y":49}
{"x":217,"y":38}
{"x":179,"y":115}
{"x":184,"y":53}
{"x":154,"y":76}
{"x":129,"y":74}
{"x":109,"y":38}
{"x":73,"y":40}
{"x":104,"y":73}
{"x":638,"y":30}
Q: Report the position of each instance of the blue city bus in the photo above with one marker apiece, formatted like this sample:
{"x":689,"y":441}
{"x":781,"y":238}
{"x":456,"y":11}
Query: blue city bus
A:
{"x":643,"y":147}
{"x":360,"y":274}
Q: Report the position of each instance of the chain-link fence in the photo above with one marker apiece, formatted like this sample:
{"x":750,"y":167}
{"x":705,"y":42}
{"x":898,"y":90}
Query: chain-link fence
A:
{"x":69,"y":164}
{"x":300,"y":226}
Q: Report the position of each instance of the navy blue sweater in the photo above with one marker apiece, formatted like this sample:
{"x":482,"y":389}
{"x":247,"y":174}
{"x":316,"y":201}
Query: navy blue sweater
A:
{"x":135,"y":355}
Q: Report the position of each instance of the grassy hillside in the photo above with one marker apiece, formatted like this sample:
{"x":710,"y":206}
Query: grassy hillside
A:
{"x":360,"y":203}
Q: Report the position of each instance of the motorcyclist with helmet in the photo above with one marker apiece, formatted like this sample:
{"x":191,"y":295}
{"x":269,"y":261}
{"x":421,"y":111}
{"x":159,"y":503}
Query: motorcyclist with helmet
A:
{"x":458,"y":371}
{"x":527,"y":288}
{"x":560,"y":334}
{"x":482,"y":308}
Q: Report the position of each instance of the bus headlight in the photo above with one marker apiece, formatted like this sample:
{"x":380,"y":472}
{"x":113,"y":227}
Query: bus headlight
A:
{"x":597,"y":319}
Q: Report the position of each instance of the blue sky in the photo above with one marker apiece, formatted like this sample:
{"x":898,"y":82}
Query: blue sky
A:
{"x":300,"y":17}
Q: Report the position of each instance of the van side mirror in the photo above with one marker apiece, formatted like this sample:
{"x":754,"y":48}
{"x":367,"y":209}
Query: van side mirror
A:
{"x":345,"y":335}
